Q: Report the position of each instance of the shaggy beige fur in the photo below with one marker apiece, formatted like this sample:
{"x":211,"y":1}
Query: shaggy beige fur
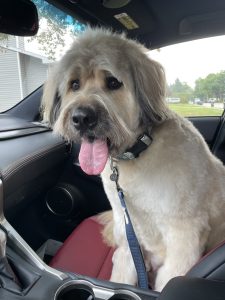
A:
{"x":106,"y":219}
{"x":175,"y":189}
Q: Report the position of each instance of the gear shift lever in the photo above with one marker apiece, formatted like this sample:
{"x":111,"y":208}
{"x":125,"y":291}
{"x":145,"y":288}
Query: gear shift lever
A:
{"x":8,"y":279}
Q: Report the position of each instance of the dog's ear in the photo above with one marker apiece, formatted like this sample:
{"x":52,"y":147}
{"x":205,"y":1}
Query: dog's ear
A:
{"x":51,"y":100}
{"x":150,"y":88}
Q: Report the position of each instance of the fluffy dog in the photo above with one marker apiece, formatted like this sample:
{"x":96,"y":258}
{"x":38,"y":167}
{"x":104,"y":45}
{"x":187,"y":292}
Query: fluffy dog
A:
{"x":106,"y":92}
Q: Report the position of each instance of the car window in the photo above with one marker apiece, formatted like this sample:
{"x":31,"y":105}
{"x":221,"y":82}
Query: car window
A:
{"x":195,"y":73}
{"x":24,"y":61}
{"x":195,"y":70}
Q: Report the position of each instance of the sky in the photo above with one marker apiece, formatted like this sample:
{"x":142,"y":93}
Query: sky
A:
{"x":190,"y":60}
{"x":187,"y":61}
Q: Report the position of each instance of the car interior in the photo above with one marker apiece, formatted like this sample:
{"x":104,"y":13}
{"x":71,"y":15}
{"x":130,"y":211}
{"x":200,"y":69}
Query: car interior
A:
{"x":50,"y":240}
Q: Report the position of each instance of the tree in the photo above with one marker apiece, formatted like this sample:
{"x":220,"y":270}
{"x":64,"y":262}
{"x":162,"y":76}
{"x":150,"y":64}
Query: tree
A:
{"x":220,"y":92}
{"x":213,"y":86}
{"x":3,"y":37}
{"x":181,"y":90}
{"x":200,"y":89}
{"x":3,"y":41}
{"x":55,"y":25}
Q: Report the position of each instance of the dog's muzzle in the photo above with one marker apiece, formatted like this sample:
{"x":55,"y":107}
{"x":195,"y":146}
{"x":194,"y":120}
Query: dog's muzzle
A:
{"x":84,"y":118}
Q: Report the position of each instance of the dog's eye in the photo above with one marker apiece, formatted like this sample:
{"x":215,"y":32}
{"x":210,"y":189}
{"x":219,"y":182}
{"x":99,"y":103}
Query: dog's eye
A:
{"x":75,"y":85}
{"x":112,"y":83}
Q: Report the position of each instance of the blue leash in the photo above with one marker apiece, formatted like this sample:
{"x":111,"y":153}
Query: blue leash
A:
{"x":131,"y":237}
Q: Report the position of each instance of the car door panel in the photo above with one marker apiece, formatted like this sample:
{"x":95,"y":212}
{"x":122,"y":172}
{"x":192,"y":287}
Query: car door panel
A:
{"x":207,"y":126}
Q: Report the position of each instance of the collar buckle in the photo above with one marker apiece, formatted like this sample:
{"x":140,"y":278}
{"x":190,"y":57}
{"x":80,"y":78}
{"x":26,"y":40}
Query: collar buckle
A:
{"x":143,"y":142}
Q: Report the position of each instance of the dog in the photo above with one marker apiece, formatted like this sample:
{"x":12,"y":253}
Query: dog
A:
{"x":105,"y":93}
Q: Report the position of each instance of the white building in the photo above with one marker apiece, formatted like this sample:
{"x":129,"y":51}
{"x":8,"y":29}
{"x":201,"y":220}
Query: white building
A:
{"x":21,"y":72}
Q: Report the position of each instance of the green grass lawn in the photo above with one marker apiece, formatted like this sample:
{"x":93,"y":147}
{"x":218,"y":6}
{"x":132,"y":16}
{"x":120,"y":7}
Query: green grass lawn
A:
{"x":194,"y":110}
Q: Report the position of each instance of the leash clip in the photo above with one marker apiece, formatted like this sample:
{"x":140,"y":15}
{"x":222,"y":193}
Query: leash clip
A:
{"x":115,"y":175}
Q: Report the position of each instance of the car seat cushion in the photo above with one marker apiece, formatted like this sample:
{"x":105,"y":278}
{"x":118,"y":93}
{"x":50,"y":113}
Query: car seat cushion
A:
{"x":84,"y":252}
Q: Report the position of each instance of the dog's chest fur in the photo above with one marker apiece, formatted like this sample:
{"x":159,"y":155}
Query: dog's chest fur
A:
{"x":145,"y":212}
{"x":139,"y":193}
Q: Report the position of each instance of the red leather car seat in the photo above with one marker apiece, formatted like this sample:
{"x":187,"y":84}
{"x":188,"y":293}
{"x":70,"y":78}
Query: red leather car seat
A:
{"x":84,"y":252}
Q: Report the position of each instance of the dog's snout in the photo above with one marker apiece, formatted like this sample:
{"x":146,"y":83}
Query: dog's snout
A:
{"x":84,"y":118}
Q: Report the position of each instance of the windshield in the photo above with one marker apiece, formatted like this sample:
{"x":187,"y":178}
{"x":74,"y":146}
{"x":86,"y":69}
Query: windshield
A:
{"x":195,"y":70}
{"x":195,"y":73}
{"x":24,"y":61}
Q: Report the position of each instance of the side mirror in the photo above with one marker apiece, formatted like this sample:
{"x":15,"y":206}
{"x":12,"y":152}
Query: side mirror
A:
{"x":18,"y":17}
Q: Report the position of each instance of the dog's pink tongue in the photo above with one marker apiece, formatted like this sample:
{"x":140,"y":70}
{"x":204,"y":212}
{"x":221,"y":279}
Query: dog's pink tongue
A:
{"x":93,"y":156}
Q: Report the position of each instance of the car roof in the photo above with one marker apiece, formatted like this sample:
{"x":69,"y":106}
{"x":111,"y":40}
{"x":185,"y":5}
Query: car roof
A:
{"x":155,"y":23}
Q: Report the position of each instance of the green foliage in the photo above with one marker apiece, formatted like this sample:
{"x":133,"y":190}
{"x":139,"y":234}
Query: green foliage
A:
{"x":3,"y":37}
{"x":180,"y":90}
{"x":213,"y":86}
{"x":57,"y":25}
{"x":3,"y":40}
{"x":200,"y":89}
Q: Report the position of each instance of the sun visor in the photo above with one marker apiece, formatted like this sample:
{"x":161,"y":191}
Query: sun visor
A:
{"x":203,"y":25}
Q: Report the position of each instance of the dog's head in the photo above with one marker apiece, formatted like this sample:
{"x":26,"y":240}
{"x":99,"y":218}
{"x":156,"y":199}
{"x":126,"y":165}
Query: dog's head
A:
{"x":104,"y":92}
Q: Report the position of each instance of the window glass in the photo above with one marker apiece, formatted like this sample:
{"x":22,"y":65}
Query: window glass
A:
{"x":195,"y":70}
{"x":24,"y":61}
{"x":195,"y":73}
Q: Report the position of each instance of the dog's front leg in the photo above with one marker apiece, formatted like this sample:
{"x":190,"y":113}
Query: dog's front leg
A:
{"x":184,"y":246}
{"x":123,"y":267}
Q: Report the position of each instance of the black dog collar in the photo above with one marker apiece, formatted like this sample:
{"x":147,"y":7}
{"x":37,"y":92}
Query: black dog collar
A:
{"x":143,"y":142}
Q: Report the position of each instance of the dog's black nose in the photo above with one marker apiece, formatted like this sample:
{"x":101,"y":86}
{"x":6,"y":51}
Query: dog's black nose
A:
{"x":84,"y":118}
